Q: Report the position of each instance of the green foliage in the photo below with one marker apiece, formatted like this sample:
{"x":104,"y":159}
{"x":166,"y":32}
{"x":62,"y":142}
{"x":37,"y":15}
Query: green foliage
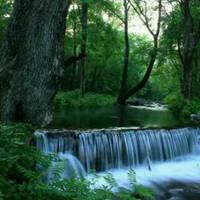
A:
{"x":105,"y":50}
{"x":191,"y":107}
{"x":75,"y":189}
{"x":5,"y":11}
{"x":183,"y":107}
{"x":132,"y":177}
{"x":175,"y":102}
{"x":172,"y":43}
{"x":137,"y":193}
{"x":74,"y":99}
{"x":144,"y":193}
{"x":18,"y":174}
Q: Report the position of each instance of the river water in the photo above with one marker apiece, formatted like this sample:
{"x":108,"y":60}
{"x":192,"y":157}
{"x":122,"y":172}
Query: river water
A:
{"x":117,"y":116}
{"x":154,"y":143}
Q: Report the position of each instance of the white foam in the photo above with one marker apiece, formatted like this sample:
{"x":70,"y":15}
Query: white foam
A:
{"x":153,"y":107}
{"x":187,"y":169}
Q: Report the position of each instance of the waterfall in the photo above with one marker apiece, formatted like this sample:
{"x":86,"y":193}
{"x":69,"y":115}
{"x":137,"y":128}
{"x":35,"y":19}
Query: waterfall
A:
{"x":66,"y":164}
{"x":101,"y":150}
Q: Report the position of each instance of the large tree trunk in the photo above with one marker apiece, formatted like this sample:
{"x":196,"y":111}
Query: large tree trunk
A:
{"x":196,"y":76}
{"x":121,"y":99}
{"x":188,"y":51}
{"x":31,"y":60}
{"x":74,"y":70}
{"x":84,"y":23}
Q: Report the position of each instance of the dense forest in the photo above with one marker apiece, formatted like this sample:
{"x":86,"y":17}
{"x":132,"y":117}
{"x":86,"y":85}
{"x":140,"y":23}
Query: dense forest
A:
{"x":61,"y":54}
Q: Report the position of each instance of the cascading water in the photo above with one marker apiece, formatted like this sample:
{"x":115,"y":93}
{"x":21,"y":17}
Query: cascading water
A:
{"x":109,"y":149}
{"x":166,"y":160}
{"x":69,"y":164}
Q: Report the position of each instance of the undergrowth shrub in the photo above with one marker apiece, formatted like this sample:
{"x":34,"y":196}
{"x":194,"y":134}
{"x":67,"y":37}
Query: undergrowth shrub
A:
{"x":191,"y":107}
{"x":74,"y":99}
{"x":183,"y":107}
{"x":175,"y":102}
{"x":18,"y":175}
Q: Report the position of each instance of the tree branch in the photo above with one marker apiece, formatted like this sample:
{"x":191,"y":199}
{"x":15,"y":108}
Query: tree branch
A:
{"x":73,"y":59}
{"x":179,"y":51}
{"x":154,"y":53}
{"x":143,"y":17}
{"x":115,"y":13}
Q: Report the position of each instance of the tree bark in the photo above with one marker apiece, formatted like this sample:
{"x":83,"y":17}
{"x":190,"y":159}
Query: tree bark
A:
{"x":189,"y":49}
{"x":84,"y":23}
{"x":123,"y":90}
{"x":31,"y":60}
{"x":73,"y":60}
{"x":196,"y":76}
{"x":74,"y":70}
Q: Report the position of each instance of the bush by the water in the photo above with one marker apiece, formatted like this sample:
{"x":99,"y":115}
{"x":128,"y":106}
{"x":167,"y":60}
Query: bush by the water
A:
{"x":23,"y":168}
{"x":183,"y":107}
{"x":74,"y":99}
{"x":191,"y":107}
{"x":175,"y":102}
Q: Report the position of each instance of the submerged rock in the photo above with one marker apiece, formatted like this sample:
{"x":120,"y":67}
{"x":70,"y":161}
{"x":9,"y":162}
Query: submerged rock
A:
{"x":195,"y":117}
{"x":176,"y":198}
{"x":138,"y":102}
{"x":178,"y":190}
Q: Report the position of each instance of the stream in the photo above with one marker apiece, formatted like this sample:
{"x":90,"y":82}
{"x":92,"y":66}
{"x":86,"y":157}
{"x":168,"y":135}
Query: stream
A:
{"x":161,"y":149}
{"x":117,"y":116}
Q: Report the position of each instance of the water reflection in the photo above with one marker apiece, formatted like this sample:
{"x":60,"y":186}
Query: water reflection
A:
{"x":115,"y":116}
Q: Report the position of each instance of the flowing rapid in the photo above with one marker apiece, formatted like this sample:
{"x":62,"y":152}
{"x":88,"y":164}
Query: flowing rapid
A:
{"x":162,"y":159}
{"x":102,"y":150}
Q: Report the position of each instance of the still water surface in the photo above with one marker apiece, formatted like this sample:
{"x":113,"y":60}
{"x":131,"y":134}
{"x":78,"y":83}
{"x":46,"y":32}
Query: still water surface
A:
{"x":116,"y":116}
